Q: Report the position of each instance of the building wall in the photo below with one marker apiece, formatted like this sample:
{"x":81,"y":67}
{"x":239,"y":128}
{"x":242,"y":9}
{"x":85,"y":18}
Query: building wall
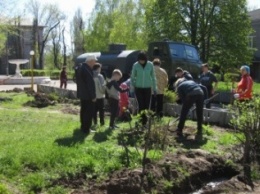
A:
{"x":256,"y":37}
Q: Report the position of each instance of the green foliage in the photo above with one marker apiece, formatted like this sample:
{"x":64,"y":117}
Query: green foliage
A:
{"x":115,"y":21}
{"x":3,"y":189}
{"x":231,"y":77}
{"x":36,"y":72}
{"x":218,"y":76}
{"x":169,"y":96}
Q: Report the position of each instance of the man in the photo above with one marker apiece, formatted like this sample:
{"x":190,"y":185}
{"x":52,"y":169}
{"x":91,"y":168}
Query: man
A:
{"x":207,"y":79}
{"x":86,"y":92}
{"x":162,"y":83}
{"x":190,"y":92}
{"x":180,"y":73}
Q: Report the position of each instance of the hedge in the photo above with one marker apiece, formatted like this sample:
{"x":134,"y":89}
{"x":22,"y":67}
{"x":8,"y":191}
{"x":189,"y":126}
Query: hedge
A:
{"x":54,"y":74}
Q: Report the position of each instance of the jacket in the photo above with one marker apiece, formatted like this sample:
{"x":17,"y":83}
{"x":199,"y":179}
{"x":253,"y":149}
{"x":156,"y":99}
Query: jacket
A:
{"x":161,"y":78}
{"x":189,"y":88}
{"x":63,"y":75}
{"x":246,"y":83}
{"x":99,"y":85}
{"x":143,"y":77}
{"x":85,"y":83}
{"x":113,"y":89}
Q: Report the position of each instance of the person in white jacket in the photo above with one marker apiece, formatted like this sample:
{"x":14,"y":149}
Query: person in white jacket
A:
{"x":100,"y":86}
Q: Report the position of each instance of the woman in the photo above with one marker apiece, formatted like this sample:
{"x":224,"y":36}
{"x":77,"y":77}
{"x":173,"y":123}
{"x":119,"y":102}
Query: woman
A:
{"x":244,"y":89}
{"x":143,"y":81}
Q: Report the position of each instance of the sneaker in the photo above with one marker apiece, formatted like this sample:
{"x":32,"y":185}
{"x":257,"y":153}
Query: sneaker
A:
{"x":179,"y":133}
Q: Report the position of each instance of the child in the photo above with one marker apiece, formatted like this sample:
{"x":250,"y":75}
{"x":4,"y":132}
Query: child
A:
{"x":124,"y":99}
{"x":113,"y":91}
{"x":100,"y":94}
{"x":63,"y":78}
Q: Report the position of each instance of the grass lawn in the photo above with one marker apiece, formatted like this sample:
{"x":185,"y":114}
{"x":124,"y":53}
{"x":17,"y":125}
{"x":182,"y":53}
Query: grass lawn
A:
{"x":39,"y":146}
{"x":223,"y":86}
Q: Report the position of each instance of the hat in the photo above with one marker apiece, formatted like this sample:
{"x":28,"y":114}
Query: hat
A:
{"x":246,"y":68}
{"x":178,"y":69}
{"x":91,"y":57}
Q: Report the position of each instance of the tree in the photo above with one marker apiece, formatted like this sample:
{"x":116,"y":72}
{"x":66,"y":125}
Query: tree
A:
{"x":219,"y":28}
{"x":115,"y":21}
{"x":48,"y":15}
{"x":77,"y":31}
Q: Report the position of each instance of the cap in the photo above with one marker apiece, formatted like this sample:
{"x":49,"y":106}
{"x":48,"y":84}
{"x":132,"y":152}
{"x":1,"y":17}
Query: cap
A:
{"x":91,"y":57}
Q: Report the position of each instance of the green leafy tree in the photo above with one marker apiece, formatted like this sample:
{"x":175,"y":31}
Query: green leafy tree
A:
{"x":115,"y":21}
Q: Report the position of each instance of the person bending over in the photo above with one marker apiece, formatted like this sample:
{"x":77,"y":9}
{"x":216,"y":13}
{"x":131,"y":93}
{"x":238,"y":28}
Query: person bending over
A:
{"x":190,"y":93}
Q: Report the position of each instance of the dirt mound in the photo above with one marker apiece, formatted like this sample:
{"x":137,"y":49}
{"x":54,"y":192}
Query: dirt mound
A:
{"x":41,"y":100}
{"x":180,"y":173}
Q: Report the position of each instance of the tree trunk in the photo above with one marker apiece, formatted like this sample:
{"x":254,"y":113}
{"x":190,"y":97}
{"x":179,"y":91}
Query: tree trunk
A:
{"x":247,"y":158}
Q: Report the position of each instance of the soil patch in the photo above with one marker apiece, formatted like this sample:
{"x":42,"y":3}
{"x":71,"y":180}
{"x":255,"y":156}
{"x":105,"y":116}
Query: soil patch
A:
{"x":179,"y":173}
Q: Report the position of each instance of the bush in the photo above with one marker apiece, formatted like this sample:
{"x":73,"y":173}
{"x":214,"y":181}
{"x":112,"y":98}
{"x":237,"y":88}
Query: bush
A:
{"x":169,"y":96}
{"x":231,"y":77}
{"x":36,"y":72}
{"x":218,"y":76}
{"x":3,"y":189}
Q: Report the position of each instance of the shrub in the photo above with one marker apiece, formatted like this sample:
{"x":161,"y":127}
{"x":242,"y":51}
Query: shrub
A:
{"x":218,"y":76}
{"x":169,"y":96}
{"x":36,"y":72}
{"x":231,"y":77}
{"x":246,"y":120}
{"x":3,"y":189}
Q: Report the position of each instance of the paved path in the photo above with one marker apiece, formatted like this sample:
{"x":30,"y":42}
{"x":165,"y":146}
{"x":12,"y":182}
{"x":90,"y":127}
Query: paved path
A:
{"x":55,"y":83}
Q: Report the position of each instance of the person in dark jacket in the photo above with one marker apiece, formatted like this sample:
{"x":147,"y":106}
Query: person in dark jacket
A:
{"x":180,"y":73}
{"x":63,"y":78}
{"x":113,"y":90}
{"x":86,"y":92}
{"x":207,"y":79}
{"x":190,"y":92}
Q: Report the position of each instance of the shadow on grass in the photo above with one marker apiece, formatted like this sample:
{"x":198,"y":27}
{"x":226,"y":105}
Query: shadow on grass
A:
{"x":78,"y":137}
{"x":188,"y":143}
{"x":101,"y":136}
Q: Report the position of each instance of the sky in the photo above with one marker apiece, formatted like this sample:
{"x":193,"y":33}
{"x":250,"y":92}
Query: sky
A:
{"x":70,"y":6}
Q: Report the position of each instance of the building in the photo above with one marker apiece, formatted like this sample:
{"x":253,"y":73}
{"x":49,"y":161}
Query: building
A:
{"x":255,"y":43}
{"x":18,"y":45}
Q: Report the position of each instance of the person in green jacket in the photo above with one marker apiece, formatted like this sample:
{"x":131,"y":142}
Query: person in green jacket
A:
{"x":143,"y":82}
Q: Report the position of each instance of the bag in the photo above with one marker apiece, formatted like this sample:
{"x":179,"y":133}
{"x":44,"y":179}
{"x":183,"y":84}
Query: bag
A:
{"x":76,"y":72}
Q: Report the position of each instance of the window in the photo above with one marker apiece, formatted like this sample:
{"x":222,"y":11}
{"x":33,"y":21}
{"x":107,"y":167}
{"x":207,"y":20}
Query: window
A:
{"x":177,"y":50}
{"x":191,"y":53}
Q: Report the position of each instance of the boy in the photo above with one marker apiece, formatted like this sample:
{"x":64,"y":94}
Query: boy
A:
{"x":100,"y":94}
{"x":63,"y":78}
{"x":113,"y":90}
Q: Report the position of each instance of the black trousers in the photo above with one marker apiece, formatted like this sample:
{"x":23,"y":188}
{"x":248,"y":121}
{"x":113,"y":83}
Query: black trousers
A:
{"x":209,"y":89}
{"x":114,"y":107}
{"x":187,"y":104}
{"x":99,"y":108}
{"x":87,"y":110}
{"x":143,"y":96}
{"x":157,"y":104}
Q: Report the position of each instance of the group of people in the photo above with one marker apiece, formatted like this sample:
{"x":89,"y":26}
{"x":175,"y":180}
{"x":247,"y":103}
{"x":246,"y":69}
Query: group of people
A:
{"x":147,"y":83}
